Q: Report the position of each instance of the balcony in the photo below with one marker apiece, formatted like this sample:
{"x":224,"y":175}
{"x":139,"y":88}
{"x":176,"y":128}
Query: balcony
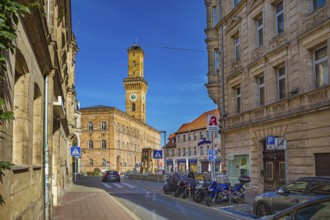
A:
{"x":295,"y":105}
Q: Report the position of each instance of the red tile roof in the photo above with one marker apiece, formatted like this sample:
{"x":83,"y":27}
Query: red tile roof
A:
{"x":198,"y":123}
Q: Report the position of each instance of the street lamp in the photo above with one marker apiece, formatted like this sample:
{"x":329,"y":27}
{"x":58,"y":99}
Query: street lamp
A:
{"x":164,"y":154}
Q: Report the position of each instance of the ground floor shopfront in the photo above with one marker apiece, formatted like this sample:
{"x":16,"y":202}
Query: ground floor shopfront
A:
{"x":305,"y":153}
{"x":196,"y":165}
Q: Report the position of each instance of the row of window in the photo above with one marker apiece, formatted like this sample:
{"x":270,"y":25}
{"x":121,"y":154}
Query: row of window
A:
{"x":193,"y":137}
{"x":103,"y":144}
{"x":90,"y":126}
{"x":191,"y":151}
{"x":321,"y":77}
{"x":259,"y":24}
{"x":104,"y":162}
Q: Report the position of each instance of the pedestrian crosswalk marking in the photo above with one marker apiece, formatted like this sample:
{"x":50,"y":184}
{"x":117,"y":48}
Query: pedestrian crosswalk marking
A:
{"x":129,"y":185}
{"x":107,"y":185}
{"x":118,"y":185}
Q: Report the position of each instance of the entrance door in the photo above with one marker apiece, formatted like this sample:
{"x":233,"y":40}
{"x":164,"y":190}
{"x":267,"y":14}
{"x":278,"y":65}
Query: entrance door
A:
{"x":274,"y":165}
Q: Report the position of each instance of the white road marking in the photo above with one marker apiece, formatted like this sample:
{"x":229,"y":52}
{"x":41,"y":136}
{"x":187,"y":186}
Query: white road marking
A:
{"x":107,"y":185}
{"x":129,"y":185}
{"x":118,"y":185}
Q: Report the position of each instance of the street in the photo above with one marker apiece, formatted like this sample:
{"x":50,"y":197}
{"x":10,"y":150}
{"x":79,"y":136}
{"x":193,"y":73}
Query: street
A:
{"x":147,"y":200}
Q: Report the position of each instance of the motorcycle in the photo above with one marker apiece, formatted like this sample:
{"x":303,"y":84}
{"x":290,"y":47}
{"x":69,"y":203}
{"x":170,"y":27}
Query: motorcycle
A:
{"x":217,"y":192}
{"x":171,"y":183}
{"x":238,"y":191}
{"x":201,"y":190}
{"x":190,"y":189}
{"x":182,"y":185}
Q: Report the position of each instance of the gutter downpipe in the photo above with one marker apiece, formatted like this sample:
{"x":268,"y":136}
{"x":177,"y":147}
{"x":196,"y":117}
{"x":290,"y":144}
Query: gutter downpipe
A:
{"x":46,"y":148}
{"x":222,"y":89}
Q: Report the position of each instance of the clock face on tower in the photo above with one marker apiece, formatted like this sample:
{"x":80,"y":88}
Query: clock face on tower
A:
{"x":133,"y":97}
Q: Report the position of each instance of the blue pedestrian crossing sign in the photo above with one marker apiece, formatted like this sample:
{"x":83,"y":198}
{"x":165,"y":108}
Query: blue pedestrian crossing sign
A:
{"x":75,"y":151}
{"x":158,"y":154}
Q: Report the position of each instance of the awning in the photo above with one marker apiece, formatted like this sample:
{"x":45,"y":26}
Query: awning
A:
{"x":192,"y":160}
{"x":181,"y":160}
{"x":169,"y":161}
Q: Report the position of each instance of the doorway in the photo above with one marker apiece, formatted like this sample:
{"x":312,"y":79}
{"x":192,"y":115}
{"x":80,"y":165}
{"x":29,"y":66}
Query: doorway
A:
{"x":274,"y":169}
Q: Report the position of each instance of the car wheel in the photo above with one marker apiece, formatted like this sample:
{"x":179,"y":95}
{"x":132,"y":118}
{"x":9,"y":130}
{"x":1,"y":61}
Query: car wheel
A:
{"x":263,"y":209}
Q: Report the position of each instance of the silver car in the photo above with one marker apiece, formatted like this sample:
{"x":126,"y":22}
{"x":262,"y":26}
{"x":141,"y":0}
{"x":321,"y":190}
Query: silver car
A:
{"x":295,"y":192}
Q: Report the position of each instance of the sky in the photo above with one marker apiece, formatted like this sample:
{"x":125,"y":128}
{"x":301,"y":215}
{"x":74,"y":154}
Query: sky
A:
{"x":171,"y":34}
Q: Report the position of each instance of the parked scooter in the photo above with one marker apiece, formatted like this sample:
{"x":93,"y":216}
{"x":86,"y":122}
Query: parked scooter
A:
{"x":171,"y":183}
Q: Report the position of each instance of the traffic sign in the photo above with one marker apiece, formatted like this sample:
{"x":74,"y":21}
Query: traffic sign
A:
{"x":211,"y":158}
{"x":270,"y":142}
{"x":210,"y":152}
{"x":158,"y":154}
{"x":160,"y":164}
{"x":75,"y":151}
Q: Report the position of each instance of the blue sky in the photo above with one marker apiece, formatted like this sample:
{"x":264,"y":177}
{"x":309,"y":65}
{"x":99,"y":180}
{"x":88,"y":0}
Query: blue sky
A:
{"x":171,"y":34}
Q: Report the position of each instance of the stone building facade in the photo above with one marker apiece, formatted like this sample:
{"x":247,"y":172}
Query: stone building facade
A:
{"x":112,"y":139}
{"x":188,"y":147}
{"x":39,"y":89}
{"x":268,"y":73}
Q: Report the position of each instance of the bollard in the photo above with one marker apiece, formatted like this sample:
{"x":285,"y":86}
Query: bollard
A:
{"x":229,"y":197}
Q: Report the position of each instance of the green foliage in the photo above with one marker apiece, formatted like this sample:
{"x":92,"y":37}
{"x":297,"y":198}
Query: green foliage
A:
{"x":4,"y":165}
{"x":97,"y":171}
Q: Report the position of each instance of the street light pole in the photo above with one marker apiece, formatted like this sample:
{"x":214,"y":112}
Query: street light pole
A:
{"x":164,"y":154}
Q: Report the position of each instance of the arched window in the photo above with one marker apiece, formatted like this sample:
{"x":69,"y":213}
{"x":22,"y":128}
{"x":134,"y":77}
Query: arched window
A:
{"x":133,"y":107}
{"x":103,"y":126}
{"x":90,"y":144}
{"x":134,"y":63}
{"x":104,"y":144}
{"x":90,"y":126}
{"x":91,"y":162}
{"x":104,"y":162}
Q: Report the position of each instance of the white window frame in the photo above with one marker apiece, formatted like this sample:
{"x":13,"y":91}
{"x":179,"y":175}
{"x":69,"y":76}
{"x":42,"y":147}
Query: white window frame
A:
{"x":90,"y":144}
{"x":279,"y":79}
{"x":279,"y":14}
{"x":103,"y":126}
{"x":214,"y":16}
{"x":104,"y":162}
{"x":104,"y":144}
{"x":91,"y":162}
{"x":323,"y":60}
{"x":90,"y":126}
{"x":261,"y":85}
{"x":237,"y":54}
{"x":260,"y":32}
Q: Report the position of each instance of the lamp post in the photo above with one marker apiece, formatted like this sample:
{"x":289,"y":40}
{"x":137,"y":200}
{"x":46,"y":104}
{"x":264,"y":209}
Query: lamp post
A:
{"x":164,"y":154}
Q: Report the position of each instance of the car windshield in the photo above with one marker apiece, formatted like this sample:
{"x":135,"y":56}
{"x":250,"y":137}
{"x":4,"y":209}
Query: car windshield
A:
{"x":112,"y":172}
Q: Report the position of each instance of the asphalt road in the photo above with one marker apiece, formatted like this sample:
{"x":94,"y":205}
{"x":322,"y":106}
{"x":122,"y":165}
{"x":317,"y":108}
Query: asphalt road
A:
{"x":148,"y":201}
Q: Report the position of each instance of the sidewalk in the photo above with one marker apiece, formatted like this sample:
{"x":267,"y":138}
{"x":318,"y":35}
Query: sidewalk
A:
{"x":85,"y":203}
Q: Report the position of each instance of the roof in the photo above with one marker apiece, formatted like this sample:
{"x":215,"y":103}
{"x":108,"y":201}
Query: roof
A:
{"x":96,"y":107}
{"x":199,"y":123}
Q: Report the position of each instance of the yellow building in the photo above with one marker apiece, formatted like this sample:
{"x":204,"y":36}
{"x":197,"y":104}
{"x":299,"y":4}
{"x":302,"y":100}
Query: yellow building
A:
{"x":112,"y":139}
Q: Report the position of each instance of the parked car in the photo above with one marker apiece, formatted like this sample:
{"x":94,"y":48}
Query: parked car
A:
{"x":318,"y":208}
{"x":111,"y":176}
{"x":295,"y":192}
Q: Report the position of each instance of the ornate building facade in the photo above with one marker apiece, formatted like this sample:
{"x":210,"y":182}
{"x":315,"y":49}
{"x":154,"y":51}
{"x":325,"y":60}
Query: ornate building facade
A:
{"x":187,"y":148}
{"x":112,"y":139}
{"x":39,"y":89}
{"x":268,"y":73}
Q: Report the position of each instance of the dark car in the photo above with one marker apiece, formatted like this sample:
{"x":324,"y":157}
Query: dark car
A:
{"x":318,"y":208}
{"x":295,"y":192}
{"x":111,"y":176}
